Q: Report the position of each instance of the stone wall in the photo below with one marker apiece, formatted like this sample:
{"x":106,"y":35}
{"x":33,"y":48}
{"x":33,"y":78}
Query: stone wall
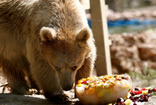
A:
{"x":133,"y":51}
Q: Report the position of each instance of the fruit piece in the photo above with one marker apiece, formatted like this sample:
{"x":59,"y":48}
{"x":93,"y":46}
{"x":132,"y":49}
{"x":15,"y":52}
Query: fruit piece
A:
{"x":127,"y":85}
{"x":138,"y":92}
{"x":145,"y":92}
{"x":80,"y":85}
{"x":122,"y":103}
{"x":141,"y":100}
{"x":90,"y":91}
{"x":142,"y":96}
{"x":125,"y":77}
{"x":89,"y":78}
{"x":132,"y":98}
{"x":99,"y":87}
{"x":86,"y":87}
{"x":154,"y":89}
{"x":111,"y":76}
{"x":104,"y":89}
{"x":84,"y":82}
{"x":128,"y":102}
{"x":80,"y":81}
{"x":146,"y":98}
{"x":91,"y":84}
{"x":120,"y":100}
{"x":150,"y":90}
{"x":132,"y":93}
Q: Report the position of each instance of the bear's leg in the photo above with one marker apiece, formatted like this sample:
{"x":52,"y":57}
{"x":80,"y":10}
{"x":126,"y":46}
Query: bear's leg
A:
{"x":52,"y":89}
{"x":32,"y":82}
{"x":48,"y":81}
{"x":86,"y":70}
{"x":16,"y":79}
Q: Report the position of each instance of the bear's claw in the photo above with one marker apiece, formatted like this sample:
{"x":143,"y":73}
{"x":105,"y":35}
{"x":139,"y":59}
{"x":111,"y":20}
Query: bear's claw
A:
{"x":32,"y":91}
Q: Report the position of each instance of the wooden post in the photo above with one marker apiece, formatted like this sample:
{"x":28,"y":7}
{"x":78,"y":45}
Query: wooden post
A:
{"x":100,"y":31}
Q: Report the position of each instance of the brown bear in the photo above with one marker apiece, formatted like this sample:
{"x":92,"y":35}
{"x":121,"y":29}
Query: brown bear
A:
{"x":47,"y":41}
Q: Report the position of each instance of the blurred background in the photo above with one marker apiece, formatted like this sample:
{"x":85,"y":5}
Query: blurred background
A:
{"x":125,"y":16}
{"x":132,"y":29}
{"x":121,"y":5}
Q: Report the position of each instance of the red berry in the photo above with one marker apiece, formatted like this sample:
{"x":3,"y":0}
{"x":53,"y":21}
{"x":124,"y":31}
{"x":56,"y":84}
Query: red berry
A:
{"x":118,"y":103}
{"x":146,"y":98}
{"x":132,"y":93}
{"x":132,"y":98}
{"x":150,"y":90}
{"x":122,"y":103}
{"x":84,"y":82}
{"x":142,"y":96}
{"x":141,"y":100}
{"x":154,"y":89}
{"x":120,"y":100}
{"x":125,"y":77}
{"x":138,"y":92}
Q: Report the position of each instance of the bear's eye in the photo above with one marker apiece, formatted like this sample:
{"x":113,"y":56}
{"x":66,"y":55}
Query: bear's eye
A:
{"x":74,"y":68}
{"x":57,"y":68}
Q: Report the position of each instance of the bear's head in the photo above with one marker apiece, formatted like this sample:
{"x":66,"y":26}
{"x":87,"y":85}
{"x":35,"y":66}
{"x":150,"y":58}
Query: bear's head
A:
{"x":65,"y":53}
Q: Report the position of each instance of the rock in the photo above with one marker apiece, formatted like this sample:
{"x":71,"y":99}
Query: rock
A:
{"x":131,"y":51}
{"x":147,"y":52}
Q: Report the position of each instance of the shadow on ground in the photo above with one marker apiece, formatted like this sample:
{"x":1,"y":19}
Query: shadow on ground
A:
{"x":11,"y":99}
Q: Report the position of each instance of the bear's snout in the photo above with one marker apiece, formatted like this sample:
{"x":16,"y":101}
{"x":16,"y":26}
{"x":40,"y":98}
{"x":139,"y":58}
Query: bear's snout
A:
{"x":68,"y":87}
{"x":66,"y":79}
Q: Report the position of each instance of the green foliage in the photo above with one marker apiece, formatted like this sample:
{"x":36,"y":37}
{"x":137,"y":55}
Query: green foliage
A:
{"x":147,"y":74}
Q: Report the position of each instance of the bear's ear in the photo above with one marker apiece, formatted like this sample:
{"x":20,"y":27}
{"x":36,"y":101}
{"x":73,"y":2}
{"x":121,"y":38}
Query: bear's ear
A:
{"x":47,"y":34}
{"x":83,"y":35}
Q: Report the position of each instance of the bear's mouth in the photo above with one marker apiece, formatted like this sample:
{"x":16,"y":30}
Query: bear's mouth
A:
{"x":69,"y":87}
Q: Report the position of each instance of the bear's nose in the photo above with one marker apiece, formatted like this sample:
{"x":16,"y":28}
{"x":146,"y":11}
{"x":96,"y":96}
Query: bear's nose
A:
{"x":67,"y":87}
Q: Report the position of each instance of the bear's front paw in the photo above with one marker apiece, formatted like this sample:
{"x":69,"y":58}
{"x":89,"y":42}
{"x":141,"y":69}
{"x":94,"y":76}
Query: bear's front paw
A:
{"x":32,"y":91}
{"x":60,"y":98}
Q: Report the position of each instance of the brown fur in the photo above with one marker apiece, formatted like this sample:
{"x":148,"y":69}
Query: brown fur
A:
{"x":47,"y":40}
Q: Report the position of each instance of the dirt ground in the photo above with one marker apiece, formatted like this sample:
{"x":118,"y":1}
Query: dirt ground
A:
{"x":7,"y":98}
